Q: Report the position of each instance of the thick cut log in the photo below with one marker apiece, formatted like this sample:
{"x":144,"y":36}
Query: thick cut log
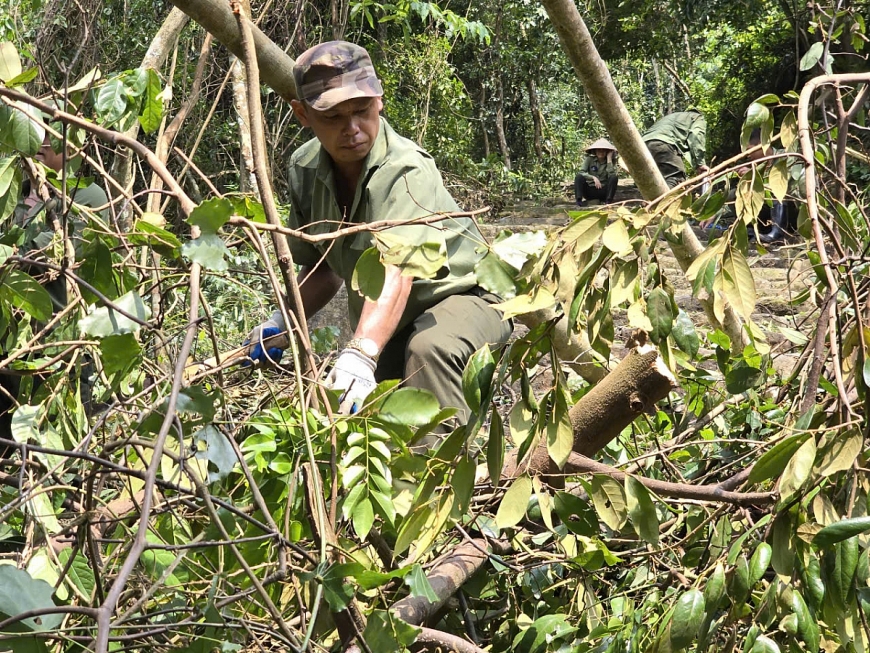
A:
{"x":632,"y":388}
{"x":276,"y":67}
{"x":447,"y":577}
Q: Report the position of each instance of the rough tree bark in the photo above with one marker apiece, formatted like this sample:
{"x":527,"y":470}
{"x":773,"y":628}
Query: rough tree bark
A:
{"x":631,"y":389}
{"x":593,"y":73}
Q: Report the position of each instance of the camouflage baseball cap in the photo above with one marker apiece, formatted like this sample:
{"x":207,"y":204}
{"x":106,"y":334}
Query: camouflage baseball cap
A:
{"x":333,"y":72}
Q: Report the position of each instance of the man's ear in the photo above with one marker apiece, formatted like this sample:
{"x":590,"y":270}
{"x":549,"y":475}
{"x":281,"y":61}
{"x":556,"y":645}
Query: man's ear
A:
{"x":299,"y":110}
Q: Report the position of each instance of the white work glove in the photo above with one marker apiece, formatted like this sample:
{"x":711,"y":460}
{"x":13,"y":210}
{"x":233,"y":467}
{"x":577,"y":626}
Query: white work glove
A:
{"x":271,"y":327}
{"x":354,"y":373}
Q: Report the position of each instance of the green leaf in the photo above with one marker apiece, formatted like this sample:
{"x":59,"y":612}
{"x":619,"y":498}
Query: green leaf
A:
{"x":495,"y":448}
{"x":686,"y":621}
{"x":684,"y":334}
{"x":477,"y":378}
{"x":211,"y":215}
{"x":152,"y":105}
{"x":771,"y":464}
{"x":560,"y":433}
{"x":385,"y":633}
{"x":660,"y":311}
{"x":539,"y":299}
{"x":80,"y":573}
{"x":21,"y":593}
{"x":812,"y":56}
{"x":495,"y":277}
{"x":715,"y":588}
{"x":764,"y":645}
{"x":213,"y":446}
{"x":423,"y":260}
{"x":419,"y":585}
{"x":363,"y":517}
{"x":21,"y":128}
{"x":798,"y":469}
{"x":841,"y":453}
{"x":756,"y":115}
{"x":841,"y":530}
{"x":807,"y":627}
{"x":463,"y":484}
{"x":411,"y":406}
{"x":759,"y":563}
{"x":160,"y":240}
{"x":10,"y":62}
{"x":24,"y":292}
{"x":10,"y":194}
{"x":27,"y":76}
{"x":513,"y":505}
{"x":119,"y":352}
{"x":615,"y":237}
{"x":576,"y":514}
{"x":740,"y":379}
{"x":641,"y":510}
{"x":336,"y":590}
{"x":841,"y":563}
{"x":516,"y":249}
{"x":369,"y":275}
{"x":209,"y":251}
{"x":106,"y":321}
{"x":111,"y":101}
{"x":609,"y":500}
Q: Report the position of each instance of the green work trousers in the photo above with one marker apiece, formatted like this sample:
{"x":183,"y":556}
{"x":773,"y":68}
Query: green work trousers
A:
{"x":669,"y":162}
{"x":432,"y":351}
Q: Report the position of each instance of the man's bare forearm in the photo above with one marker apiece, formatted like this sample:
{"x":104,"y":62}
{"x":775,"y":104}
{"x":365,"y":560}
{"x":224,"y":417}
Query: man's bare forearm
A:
{"x":379,"y":319}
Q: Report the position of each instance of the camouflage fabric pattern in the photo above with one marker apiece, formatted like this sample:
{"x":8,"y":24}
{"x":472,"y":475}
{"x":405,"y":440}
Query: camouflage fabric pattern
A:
{"x":333,"y":72}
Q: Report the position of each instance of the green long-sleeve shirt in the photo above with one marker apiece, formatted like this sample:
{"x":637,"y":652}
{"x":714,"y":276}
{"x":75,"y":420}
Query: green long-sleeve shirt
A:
{"x":685,"y":130}
{"x":592,"y":167}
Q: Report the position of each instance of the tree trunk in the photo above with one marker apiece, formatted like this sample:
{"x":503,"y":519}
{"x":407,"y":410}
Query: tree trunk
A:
{"x":631,"y":389}
{"x":247,"y":178}
{"x":482,"y":113}
{"x":537,"y":121}
{"x":499,"y":123}
{"x":596,"y":79}
{"x":216,"y":16}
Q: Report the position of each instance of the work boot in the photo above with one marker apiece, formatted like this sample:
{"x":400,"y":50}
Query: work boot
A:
{"x":778,"y":218}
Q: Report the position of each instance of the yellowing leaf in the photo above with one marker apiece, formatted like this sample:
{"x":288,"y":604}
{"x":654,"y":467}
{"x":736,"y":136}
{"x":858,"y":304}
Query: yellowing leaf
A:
{"x":616,"y":238}
{"x":623,"y":282}
{"x":637,"y":317}
{"x":750,"y":196}
{"x":778,"y":179}
{"x":797,"y":470}
{"x":841,"y":454}
{"x":737,"y":282}
{"x":521,"y":304}
{"x":584,"y":231}
{"x":560,"y":434}
{"x":703,"y":258}
{"x":513,"y":505}
{"x":10,"y":62}
{"x":609,"y":499}
{"x":788,"y":133}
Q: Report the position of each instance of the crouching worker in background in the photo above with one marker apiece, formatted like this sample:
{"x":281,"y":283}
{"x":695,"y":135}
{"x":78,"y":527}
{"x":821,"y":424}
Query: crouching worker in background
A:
{"x":358,"y":170}
{"x":598,"y":174}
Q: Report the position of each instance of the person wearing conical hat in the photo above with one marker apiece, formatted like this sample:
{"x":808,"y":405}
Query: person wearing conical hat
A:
{"x":598,"y":174}
{"x":675,"y":137}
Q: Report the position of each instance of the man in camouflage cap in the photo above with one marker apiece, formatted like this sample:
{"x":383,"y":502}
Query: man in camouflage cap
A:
{"x":357,"y":169}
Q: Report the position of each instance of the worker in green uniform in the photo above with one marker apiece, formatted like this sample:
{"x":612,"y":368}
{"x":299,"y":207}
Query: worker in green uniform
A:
{"x":356,"y":170}
{"x":674,"y":138}
{"x":598,"y":174}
